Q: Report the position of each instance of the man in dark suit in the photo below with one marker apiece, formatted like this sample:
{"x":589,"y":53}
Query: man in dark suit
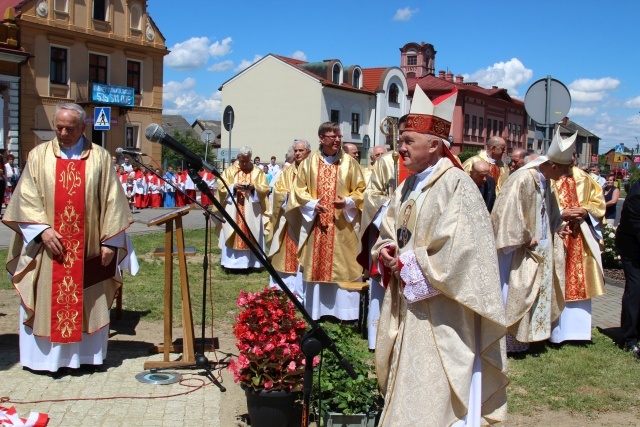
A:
{"x":481,"y":174}
{"x":628,"y":244}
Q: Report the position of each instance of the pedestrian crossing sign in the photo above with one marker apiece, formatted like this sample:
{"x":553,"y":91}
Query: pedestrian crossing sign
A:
{"x":102,"y":118}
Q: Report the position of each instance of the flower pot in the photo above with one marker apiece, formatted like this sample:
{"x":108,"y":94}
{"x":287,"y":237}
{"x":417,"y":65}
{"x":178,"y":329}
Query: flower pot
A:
{"x":270,"y":408}
{"x":334,"y":419}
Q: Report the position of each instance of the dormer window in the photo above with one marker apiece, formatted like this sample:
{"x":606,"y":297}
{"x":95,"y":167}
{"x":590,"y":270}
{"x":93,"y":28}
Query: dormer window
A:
{"x":336,"y":72}
{"x":60,"y":6}
{"x":357,"y":74}
{"x":100,"y":9}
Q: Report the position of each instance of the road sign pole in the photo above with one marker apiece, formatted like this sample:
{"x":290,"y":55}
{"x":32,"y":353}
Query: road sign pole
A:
{"x":547,"y":117}
{"x":229,"y":147}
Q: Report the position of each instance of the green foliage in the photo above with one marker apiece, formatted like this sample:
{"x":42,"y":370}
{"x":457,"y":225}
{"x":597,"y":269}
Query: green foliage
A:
{"x":467,"y":153}
{"x":338,"y":391}
{"x":610,"y":256}
{"x":190,"y":140}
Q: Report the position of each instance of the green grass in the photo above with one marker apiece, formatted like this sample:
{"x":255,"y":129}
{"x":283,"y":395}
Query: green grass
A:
{"x":598,"y":377}
{"x":144,"y":293}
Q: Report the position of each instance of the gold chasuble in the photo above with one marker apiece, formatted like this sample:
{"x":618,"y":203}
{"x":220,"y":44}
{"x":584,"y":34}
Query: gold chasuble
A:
{"x":84,"y":202}
{"x":584,"y":277}
{"x":251,"y":212}
{"x":524,"y":211}
{"x":283,"y":250}
{"x":498,"y":170}
{"x":425,"y":350}
{"x":328,"y":245}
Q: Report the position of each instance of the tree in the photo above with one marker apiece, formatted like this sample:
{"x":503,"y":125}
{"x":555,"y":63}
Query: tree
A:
{"x":190,"y":141}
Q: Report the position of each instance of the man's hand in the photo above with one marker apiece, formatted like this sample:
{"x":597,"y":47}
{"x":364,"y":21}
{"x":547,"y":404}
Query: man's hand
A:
{"x":389,"y":260}
{"x":339,"y":202}
{"x":320,"y":208}
{"x":574,"y":214}
{"x":107,"y":255}
{"x":532,"y":243}
{"x":51,"y":240}
{"x":566,"y":231}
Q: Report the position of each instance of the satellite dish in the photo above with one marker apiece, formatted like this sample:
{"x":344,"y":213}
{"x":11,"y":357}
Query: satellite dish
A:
{"x":553,"y":91}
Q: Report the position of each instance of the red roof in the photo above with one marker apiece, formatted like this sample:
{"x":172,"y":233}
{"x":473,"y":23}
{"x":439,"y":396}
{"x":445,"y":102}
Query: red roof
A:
{"x":371,"y":78}
{"x":4,"y":4}
{"x":432,"y":84}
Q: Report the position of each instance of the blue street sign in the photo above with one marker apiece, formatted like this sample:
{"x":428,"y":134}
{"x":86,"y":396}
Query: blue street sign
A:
{"x":625,"y":165}
{"x":620,"y":149}
{"x":102,"y":118}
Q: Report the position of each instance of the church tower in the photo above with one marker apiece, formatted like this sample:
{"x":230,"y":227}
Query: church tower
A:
{"x":417,"y":60}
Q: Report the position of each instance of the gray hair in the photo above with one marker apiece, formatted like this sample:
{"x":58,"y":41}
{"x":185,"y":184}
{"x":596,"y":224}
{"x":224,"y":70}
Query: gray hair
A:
{"x":73,"y":107}
{"x":288,"y":156}
{"x":245,"y":151}
{"x":306,"y":143}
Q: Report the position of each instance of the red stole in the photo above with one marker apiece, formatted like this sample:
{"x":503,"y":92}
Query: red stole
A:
{"x":575,"y":289}
{"x":494,"y":171}
{"x":68,"y":269}
{"x":325,"y":228}
{"x":290,"y":247}
{"x":241,"y":178}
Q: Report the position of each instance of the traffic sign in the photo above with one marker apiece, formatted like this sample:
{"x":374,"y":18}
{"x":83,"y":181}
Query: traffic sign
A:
{"x":625,"y":165}
{"x":223,"y":153}
{"x":547,"y":101}
{"x":102,"y":118}
{"x":228,"y":117}
{"x":636,"y":159}
{"x":208,"y":136}
{"x":620,"y":149}
{"x":618,"y":158}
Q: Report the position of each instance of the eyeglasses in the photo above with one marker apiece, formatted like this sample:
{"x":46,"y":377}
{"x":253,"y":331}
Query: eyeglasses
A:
{"x":332,"y":137}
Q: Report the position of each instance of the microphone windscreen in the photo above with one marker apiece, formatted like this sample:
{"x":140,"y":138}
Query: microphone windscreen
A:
{"x":119,"y":150}
{"x":154,"y":132}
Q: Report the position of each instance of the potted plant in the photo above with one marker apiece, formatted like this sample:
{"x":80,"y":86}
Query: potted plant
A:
{"x":270,"y":364}
{"x":340,"y":400}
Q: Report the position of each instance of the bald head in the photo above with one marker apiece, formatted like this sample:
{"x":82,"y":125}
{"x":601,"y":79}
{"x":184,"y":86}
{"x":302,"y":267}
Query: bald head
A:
{"x":479,"y":172}
{"x":376,"y":152}
{"x":496,"y":147}
{"x":351,"y":150}
{"x":517,"y":159}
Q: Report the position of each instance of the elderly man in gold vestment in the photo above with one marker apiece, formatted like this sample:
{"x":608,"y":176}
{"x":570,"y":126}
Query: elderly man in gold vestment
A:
{"x":283,"y":251}
{"x":492,"y":155}
{"x":328,"y":195}
{"x":440,"y":354}
{"x":69,"y":213}
{"x":249,"y":188}
{"x":528,"y":230}
{"x":581,"y":201}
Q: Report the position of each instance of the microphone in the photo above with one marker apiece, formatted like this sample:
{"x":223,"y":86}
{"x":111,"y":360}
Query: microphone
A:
{"x":155,"y":133}
{"x":121,"y":150}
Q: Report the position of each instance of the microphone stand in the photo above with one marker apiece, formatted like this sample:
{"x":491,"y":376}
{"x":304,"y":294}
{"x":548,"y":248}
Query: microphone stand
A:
{"x":201,"y":360}
{"x":313,"y":341}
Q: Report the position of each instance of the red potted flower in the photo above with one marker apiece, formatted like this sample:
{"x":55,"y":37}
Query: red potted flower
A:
{"x":270,"y":364}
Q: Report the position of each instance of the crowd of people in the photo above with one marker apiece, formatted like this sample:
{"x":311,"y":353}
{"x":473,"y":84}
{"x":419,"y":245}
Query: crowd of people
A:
{"x":464,"y":262}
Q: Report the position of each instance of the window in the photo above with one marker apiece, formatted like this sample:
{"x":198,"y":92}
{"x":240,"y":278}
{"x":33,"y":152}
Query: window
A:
{"x":495,"y":126}
{"x":466,"y":123}
{"x":481,"y":125}
{"x":473,"y":124}
{"x":519,"y":131}
{"x":335,"y":116}
{"x":356,"y":78}
{"x":412,"y":60}
{"x":131,"y":135}
{"x":133,"y":75}
{"x":135,"y":17}
{"x":336,"y":74}
{"x":509,"y":132}
{"x":355,"y":123}
{"x":100,"y":9}
{"x":60,"y":6}
{"x":501,"y":128}
{"x":98,"y":65}
{"x":58,"y":67}
{"x":393,"y":93}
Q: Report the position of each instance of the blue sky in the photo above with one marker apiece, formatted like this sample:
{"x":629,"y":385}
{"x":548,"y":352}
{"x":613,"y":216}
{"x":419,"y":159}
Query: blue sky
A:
{"x":593,"y":47}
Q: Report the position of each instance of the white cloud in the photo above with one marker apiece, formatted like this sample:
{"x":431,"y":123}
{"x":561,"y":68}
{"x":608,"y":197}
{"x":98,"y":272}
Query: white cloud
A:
{"x":246,"y":63}
{"x":221,"y":66}
{"x":594,"y":85}
{"x":633,"y":103}
{"x":218,"y":49}
{"x":195,"y":53}
{"x":509,"y":75}
{"x":299,"y":55}
{"x":581,"y":96}
{"x":582,"y":111}
{"x":182,"y":98}
{"x":613,"y":129}
{"x":405,"y":14}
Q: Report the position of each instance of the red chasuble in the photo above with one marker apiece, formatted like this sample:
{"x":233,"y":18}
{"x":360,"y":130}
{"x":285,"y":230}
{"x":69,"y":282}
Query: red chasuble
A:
{"x":68,"y":269}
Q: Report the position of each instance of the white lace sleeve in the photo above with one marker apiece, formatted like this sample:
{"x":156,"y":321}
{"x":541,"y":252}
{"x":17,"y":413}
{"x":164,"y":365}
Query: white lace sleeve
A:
{"x":417,"y":287}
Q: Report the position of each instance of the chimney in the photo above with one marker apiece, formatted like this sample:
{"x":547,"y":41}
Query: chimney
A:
{"x":459,"y":79}
{"x":449,"y":76}
{"x":441,"y":74}
{"x":494,"y":87}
